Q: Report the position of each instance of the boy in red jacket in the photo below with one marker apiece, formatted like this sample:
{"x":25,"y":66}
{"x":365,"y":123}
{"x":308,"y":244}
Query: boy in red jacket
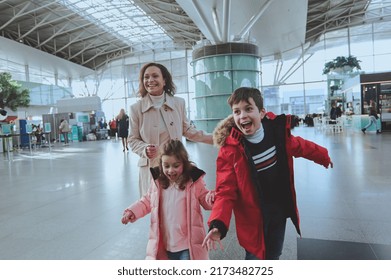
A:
{"x":255,"y":176}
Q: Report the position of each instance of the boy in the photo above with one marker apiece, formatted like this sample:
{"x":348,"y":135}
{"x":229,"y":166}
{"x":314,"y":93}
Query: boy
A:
{"x":255,"y":176}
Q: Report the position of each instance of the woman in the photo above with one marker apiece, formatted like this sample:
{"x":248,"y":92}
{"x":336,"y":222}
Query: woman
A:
{"x":123,"y":128}
{"x":157,"y":118}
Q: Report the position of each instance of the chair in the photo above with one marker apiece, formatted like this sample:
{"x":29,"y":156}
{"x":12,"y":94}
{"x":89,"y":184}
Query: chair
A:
{"x":334,"y":126}
{"x":318,"y":124}
{"x":339,"y":126}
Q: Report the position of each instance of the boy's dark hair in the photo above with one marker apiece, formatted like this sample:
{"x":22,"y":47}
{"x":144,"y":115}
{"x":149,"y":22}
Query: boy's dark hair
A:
{"x":243,"y":94}
{"x":175,"y":148}
{"x":169,"y":88}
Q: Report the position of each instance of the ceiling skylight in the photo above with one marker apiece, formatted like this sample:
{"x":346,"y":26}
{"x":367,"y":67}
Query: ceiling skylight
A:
{"x":122,"y":18}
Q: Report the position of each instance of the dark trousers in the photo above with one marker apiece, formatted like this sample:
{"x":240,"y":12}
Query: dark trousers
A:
{"x":65,"y":135}
{"x":274,"y":229}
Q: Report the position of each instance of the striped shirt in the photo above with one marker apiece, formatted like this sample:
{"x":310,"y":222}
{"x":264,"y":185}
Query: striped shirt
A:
{"x":264,"y":156}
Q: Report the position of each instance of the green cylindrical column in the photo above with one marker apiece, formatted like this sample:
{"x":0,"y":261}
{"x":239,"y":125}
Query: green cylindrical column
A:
{"x":218,"y":70}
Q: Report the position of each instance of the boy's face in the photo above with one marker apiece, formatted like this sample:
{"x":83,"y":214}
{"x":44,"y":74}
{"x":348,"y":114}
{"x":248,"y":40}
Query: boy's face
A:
{"x":247,"y":116}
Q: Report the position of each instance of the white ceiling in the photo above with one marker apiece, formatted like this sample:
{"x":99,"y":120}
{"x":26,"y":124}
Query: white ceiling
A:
{"x":276,"y":26}
{"x":280,"y":28}
{"x":24,"y":55}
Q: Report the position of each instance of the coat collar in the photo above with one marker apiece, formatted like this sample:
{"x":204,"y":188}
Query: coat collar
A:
{"x":146,"y":102}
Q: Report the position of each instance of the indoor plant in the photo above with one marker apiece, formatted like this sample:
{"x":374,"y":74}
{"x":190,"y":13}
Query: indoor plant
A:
{"x":12,"y":95}
{"x":342,"y":64}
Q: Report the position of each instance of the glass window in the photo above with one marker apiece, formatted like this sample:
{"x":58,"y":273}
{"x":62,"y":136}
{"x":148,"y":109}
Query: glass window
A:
{"x":201,"y":87}
{"x":217,"y":63}
{"x":179,"y":67}
{"x":243,"y":62}
{"x":361,"y":44}
{"x":181,"y":84}
{"x":129,"y":22}
{"x":221,"y":82}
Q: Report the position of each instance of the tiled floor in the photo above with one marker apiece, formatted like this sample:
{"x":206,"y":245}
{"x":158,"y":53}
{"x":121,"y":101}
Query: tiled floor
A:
{"x":309,"y":249}
{"x":67,"y":204}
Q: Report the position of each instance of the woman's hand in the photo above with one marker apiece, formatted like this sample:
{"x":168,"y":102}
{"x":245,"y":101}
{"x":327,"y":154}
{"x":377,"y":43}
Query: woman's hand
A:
{"x":152,"y":151}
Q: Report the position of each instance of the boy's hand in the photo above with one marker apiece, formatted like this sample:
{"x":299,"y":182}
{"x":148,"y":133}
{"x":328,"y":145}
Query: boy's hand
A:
{"x":209,"y":241}
{"x":330,"y":164}
{"x":210,"y":197}
{"x":127,"y":217}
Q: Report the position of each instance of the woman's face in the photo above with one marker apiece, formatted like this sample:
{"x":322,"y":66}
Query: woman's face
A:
{"x":153,"y":81}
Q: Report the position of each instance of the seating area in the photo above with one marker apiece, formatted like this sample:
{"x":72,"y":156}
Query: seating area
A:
{"x":327,"y":125}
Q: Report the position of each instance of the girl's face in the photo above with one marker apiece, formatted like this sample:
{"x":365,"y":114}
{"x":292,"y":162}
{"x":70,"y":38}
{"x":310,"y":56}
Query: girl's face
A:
{"x":153,"y":81}
{"x":172,"y":167}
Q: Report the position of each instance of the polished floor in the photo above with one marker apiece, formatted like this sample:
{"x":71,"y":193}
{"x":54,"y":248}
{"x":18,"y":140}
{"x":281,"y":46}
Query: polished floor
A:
{"x":66,"y":204}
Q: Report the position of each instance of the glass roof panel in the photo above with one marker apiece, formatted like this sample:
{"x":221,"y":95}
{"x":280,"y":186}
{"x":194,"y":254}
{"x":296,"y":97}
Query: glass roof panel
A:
{"x":122,"y":18}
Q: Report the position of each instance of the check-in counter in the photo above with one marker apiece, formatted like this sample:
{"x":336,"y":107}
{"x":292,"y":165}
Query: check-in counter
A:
{"x":360,"y":121}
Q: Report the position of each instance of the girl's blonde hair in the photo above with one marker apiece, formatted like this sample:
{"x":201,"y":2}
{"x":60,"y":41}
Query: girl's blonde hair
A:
{"x":175,"y":148}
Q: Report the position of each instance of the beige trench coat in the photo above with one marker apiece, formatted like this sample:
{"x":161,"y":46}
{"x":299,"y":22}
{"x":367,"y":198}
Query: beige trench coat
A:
{"x":144,"y":130}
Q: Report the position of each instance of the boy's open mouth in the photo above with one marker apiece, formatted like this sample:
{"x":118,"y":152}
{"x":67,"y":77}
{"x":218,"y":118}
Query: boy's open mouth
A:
{"x":246,"y":125}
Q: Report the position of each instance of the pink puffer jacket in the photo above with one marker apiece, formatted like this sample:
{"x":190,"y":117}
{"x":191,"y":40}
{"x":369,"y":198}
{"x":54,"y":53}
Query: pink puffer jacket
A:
{"x":195,"y":198}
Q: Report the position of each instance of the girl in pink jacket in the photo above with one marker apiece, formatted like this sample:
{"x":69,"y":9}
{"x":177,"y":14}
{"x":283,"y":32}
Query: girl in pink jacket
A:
{"x":174,"y":199}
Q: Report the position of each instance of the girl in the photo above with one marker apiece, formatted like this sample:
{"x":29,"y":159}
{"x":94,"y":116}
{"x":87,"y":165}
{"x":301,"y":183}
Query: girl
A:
{"x":174,"y":199}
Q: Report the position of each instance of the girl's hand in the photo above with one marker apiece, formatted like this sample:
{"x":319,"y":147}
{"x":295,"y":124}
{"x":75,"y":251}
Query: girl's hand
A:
{"x":210,"y":239}
{"x":127,"y":217}
{"x":151,"y":151}
{"x":210,"y":197}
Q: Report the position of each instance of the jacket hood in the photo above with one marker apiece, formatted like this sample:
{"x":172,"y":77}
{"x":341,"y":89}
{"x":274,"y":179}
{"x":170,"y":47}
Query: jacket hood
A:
{"x":223,"y":130}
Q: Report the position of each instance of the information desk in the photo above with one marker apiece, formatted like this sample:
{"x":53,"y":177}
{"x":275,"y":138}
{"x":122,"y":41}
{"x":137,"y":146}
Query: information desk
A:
{"x":360,"y":121}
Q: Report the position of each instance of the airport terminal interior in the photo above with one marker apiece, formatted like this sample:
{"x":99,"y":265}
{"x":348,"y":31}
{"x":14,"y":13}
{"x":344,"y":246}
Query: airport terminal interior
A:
{"x":80,"y":61}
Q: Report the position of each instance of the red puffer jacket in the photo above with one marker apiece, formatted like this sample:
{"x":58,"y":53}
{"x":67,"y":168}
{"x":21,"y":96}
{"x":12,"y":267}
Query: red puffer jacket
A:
{"x":235,"y":189}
